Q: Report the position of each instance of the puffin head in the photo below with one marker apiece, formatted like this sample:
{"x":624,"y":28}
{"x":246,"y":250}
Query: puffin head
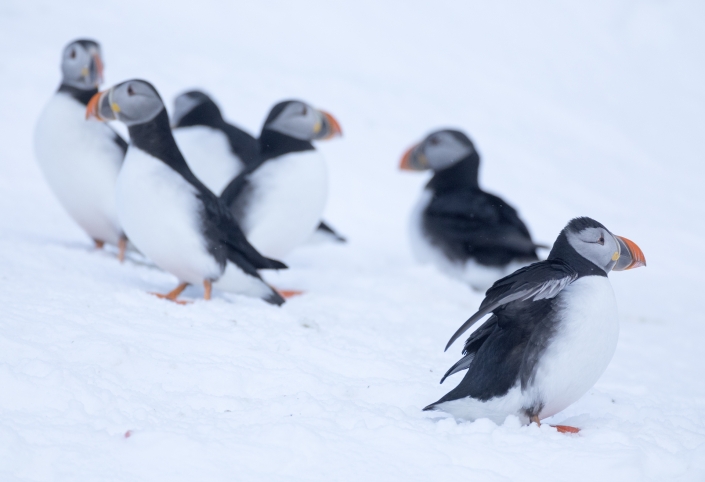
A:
{"x":439,"y":150}
{"x":301,"y":121}
{"x":82,"y":64}
{"x":132,"y":102}
{"x":187,"y":102}
{"x":594,"y":242}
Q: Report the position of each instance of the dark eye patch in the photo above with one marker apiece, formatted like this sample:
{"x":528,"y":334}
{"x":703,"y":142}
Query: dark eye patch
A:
{"x":130,"y":91}
{"x":601,"y":241}
{"x":72,"y":54}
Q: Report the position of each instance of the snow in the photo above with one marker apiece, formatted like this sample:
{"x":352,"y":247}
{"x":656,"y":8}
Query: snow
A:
{"x":577,"y":109}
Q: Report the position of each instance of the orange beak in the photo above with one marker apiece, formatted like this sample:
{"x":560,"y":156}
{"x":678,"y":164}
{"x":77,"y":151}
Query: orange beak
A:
{"x":630,"y":256}
{"x":413,"y":160}
{"x":93,"y":109}
{"x":405,"y":164}
{"x":98,"y":67}
{"x":332,"y":127}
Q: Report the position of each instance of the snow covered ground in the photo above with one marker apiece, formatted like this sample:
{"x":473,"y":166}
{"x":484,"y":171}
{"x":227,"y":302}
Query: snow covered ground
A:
{"x":577,"y":110}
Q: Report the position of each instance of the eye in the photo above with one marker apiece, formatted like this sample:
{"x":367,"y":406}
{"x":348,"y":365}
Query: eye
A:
{"x":72,"y":54}
{"x":434,"y":141}
{"x":601,"y":241}
{"x":305,"y":111}
{"x":130,"y":91}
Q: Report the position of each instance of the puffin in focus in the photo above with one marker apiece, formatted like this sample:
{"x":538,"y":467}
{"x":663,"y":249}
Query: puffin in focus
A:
{"x":171,"y":216}
{"x":464,"y":231}
{"x":215,"y":150}
{"x":279,"y":202}
{"x":81,"y":160}
{"x":552,"y":331}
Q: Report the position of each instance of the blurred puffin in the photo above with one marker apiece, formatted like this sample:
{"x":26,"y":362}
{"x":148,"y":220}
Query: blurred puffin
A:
{"x":467,"y":233}
{"x":216,"y":151}
{"x":167,"y":212}
{"x":81,"y":160}
{"x":552,"y":333}
{"x":279,"y":202}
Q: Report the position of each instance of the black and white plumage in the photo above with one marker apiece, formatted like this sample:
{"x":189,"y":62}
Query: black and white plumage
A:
{"x":217,"y":151}
{"x":466,"y":232}
{"x":552,"y":331}
{"x":81,"y":159}
{"x":167,"y":212}
{"x":279,"y":202}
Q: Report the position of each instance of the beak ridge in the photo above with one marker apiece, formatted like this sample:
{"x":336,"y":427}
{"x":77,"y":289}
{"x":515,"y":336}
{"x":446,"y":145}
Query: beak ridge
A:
{"x":96,"y":108}
{"x":630,"y":257}
{"x":331,"y":127}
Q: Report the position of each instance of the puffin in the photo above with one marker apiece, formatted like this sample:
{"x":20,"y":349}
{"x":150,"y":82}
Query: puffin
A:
{"x":279,"y":202}
{"x":81,"y":160}
{"x":552,"y":331}
{"x":467,"y":233}
{"x":171,"y":216}
{"x":217,"y":151}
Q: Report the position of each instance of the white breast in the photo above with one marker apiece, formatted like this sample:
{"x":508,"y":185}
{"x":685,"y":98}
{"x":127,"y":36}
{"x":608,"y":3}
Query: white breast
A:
{"x":207,"y":152}
{"x":582,"y":347}
{"x":80,"y":162}
{"x":289,"y":195}
{"x":160,"y":213}
{"x":478,"y":276}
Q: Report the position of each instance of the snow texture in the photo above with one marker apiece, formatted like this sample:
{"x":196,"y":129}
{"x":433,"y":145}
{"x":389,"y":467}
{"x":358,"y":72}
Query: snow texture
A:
{"x":590,"y":108}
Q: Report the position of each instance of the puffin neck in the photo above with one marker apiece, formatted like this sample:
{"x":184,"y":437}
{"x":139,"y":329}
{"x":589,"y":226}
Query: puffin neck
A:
{"x":274,"y":144}
{"x":462,"y":174}
{"x":564,"y":251}
{"x":155,"y":138}
{"x":81,"y":95}
{"x":206,"y":114}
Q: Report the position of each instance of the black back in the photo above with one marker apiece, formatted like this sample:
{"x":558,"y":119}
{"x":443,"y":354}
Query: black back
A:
{"x":467,"y":223}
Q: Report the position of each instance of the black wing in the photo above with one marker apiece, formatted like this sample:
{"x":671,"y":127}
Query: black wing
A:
{"x":538,"y":281}
{"x":475,"y":223}
{"x":222,"y":229}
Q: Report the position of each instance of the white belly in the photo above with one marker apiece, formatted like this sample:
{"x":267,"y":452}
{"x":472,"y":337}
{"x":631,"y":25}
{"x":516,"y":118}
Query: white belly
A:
{"x":582,"y":348}
{"x":470,"y":272}
{"x":207,"y":152}
{"x":289,"y":195}
{"x":160,"y":214}
{"x":80,"y":162}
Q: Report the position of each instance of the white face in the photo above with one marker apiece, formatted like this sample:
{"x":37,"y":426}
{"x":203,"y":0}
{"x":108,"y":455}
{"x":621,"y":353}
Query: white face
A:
{"x":81,"y":65}
{"x":597,"y":245}
{"x":298,"y":120}
{"x":443,"y":149}
{"x":134,"y":102}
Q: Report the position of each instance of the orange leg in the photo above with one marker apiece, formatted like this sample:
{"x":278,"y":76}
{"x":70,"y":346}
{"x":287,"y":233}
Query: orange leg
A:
{"x":207,"y":286}
{"x":122,"y":247}
{"x":173,"y":294}
{"x":99,"y":244}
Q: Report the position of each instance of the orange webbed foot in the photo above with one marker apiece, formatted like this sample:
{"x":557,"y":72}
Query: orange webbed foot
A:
{"x":566,"y":429}
{"x":290,"y":293}
{"x":174,"y":294}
